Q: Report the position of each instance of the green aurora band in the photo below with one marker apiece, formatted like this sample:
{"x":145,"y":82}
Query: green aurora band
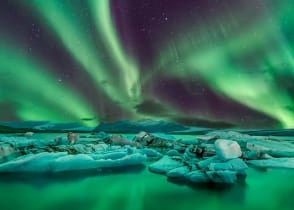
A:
{"x":122,"y":89}
{"x":35,"y":92}
{"x":243,"y":62}
{"x":126,"y":65}
{"x":222,"y":63}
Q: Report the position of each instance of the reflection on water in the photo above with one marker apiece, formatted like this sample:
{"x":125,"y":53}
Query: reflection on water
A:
{"x":44,"y":179}
{"x":140,"y":189}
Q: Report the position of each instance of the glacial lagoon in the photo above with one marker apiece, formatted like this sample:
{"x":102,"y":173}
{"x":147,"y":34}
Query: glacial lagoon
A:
{"x":264,"y":190}
{"x":139,"y":189}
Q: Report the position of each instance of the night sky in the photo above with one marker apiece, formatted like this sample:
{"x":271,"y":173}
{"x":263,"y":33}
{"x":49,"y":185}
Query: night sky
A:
{"x":213,"y":63}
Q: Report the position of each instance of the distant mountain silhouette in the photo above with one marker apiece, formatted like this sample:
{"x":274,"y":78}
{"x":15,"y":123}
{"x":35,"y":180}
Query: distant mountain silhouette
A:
{"x":151,"y":126}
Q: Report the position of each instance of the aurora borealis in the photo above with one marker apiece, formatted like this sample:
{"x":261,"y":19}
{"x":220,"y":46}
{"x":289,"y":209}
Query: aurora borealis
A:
{"x":198,"y":62}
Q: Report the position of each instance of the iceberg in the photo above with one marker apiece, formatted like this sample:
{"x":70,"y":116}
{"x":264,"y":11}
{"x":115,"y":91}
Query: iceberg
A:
{"x":197,"y":177}
{"x":165,"y":164}
{"x":178,"y":172}
{"x":207,"y":159}
{"x":233,"y":165}
{"x":227,"y":149}
{"x":273,"y":163}
{"x":223,"y":177}
{"x":41,"y":162}
{"x":62,"y":161}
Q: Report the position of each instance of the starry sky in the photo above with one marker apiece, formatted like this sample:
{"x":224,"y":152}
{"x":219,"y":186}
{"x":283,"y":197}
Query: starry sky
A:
{"x":212,"y":63}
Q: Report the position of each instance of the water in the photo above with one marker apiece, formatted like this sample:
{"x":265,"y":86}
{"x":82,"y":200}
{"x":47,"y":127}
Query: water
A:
{"x":271,"y":189}
{"x":143,"y":190}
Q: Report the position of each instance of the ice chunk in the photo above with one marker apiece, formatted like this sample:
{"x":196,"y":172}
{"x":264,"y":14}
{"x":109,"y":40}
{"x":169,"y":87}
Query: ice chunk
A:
{"x":205,"y":163}
{"x":273,"y":163}
{"x":227,"y":135}
{"x":29,"y":134}
{"x":164,"y":136}
{"x":7,"y":152}
{"x":224,"y":177}
{"x":128,"y":160}
{"x":178,"y":172}
{"x":73,"y":162}
{"x":227,"y":149}
{"x":165,"y":164}
{"x":61,"y":161}
{"x":233,"y":164}
{"x":208,"y":139}
{"x":112,"y":155}
{"x":150,"y":152}
{"x":197,"y":177}
{"x":31,"y":163}
{"x":18,"y":142}
{"x":173,"y":152}
{"x":189,"y":141}
{"x":88,"y":148}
